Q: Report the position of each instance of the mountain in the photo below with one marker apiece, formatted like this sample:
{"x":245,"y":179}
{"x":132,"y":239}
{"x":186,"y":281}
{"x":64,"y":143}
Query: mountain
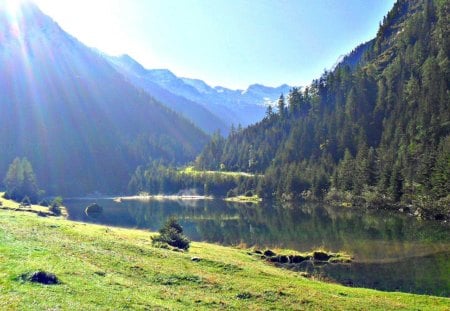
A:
{"x":243,"y":107}
{"x":138,"y":76}
{"x":375,"y":130}
{"x":80,"y":123}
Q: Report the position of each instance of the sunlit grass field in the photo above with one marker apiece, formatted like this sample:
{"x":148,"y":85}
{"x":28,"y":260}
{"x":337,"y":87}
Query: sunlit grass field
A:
{"x":103,"y":268}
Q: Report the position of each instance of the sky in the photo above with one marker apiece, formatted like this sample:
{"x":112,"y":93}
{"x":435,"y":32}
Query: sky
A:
{"x":231,"y":43}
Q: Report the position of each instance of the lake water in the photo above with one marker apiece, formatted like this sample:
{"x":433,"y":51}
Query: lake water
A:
{"x":392,"y":251}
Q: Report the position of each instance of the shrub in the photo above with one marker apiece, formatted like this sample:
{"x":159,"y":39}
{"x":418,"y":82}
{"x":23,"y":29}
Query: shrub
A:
{"x":57,"y":201}
{"x":172,"y":234}
{"x":55,"y":209}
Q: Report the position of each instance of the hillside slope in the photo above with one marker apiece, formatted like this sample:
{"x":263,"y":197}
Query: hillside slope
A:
{"x":376,"y":127}
{"x":80,"y":123}
{"x":104,"y":268}
{"x":197,"y":113}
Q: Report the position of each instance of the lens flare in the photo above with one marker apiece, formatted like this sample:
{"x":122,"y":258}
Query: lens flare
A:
{"x":12,"y":7}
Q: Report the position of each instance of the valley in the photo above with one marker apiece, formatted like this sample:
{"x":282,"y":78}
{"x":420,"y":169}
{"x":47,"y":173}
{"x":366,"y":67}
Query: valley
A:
{"x":125,"y":185}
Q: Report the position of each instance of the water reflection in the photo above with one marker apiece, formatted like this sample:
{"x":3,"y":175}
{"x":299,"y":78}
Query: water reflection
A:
{"x":386,"y":246}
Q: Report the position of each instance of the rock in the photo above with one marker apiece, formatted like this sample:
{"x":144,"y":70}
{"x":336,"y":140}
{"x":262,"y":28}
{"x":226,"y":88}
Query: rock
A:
{"x":273,"y":259}
{"x":258,"y":252}
{"x":283,"y":259}
{"x":269,"y":253}
{"x":196,"y":259}
{"x":43,"y":277}
{"x":297,"y":258}
{"x":306,"y":265}
{"x":93,"y":209}
{"x":321,"y":256}
{"x":41,"y":214}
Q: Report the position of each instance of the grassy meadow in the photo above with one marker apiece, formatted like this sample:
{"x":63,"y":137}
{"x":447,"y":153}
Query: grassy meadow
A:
{"x":104,"y":268}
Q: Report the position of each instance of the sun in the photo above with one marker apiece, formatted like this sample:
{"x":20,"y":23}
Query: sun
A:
{"x":14,"y":11}
{"x":12,"y":7}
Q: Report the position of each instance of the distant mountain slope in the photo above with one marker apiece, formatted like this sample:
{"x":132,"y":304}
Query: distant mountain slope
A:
{"x":79,"y":122}
{"x":376,"y":127}
{"x":231,"y":106}
{"x":198,"y":114}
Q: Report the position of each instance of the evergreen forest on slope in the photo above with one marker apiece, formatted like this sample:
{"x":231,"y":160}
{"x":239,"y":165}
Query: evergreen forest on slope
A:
{"x":375,"y":130}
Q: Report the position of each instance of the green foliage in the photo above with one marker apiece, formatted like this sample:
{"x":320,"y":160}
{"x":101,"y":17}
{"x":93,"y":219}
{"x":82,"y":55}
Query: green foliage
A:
{"x":20,"y":181}
{"x":172,"y":234}
{"x":58,"y":201}
{"x":379,"y":122}
{"x":440,"y":179}
{"x":55,"y":209}
{"x":160,"y":179}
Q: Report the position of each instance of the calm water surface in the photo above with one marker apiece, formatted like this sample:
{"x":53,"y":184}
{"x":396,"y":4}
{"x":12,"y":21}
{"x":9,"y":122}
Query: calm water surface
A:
{"x":391,"y":251}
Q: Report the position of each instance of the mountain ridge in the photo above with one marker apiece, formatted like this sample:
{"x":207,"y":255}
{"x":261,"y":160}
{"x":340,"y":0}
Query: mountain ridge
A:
{"x":83,"y":127}
{"x":243,"y":107}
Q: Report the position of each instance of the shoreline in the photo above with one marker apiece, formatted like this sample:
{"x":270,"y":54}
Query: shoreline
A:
{"x":161,"y":197}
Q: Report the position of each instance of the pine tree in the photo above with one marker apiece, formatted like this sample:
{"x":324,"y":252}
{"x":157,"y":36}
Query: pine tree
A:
{"x":281,"y":106}
{"x":20,"y":181}
{"x":346,"y":171}
{"x":440,"y":179}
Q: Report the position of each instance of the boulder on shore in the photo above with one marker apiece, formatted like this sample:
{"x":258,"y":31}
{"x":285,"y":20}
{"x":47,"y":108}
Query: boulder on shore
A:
{"x":321,"y":256}
{"x":93,"y":209}
{"x":269,"y":253}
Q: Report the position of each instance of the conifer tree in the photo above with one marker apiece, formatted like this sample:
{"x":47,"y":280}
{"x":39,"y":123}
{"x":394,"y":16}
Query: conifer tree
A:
{"x":20,"y":181}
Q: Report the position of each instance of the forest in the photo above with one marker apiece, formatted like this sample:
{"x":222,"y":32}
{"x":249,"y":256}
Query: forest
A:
{"x":373,"y":131}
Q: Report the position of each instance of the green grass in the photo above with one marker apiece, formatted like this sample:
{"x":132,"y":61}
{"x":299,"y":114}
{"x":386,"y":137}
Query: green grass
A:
{"x":15,"y":206}
{"x":190,"y":170}
{"x":105,"y":268}
{"x":244,"y":199}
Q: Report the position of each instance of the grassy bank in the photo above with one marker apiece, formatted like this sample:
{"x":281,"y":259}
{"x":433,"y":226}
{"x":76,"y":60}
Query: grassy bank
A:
{"x":190,"y":170}
{"x":110,"y":268}
{"x":244,"y":199}
{"x":33,"y":208}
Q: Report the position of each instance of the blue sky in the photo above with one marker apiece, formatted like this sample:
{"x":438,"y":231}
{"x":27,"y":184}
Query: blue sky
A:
{"x":231,"y":43}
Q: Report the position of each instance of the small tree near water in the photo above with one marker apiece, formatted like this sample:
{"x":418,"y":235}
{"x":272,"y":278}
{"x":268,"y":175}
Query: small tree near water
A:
{"x":172,"y":234}
{"x":55,"y":206}
{"x":20,"y":181}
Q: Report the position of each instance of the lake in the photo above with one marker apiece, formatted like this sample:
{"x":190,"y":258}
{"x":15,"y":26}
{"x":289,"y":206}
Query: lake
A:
{"x":392,"y":251}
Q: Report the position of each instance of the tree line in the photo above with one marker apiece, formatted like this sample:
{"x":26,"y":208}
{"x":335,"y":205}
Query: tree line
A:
{"x":377,"y":127}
